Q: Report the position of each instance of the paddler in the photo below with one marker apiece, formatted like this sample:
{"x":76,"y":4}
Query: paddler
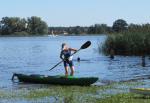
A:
{"x":65,"y":55}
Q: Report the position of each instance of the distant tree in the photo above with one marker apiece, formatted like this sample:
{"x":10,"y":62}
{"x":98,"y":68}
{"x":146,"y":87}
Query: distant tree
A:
{"x":91,"y":30}
{"x":101,"y":28}
{"x":5,"y":25}
{"x":109,"y":30}
{"x":43,"y":28}
{"x":98,"y":29}
{"x":21,"y":25}
{"x":37,"y":26}
{"x":10,"y":25}
{"x":119,"y":25}
{"x":77,"y":30}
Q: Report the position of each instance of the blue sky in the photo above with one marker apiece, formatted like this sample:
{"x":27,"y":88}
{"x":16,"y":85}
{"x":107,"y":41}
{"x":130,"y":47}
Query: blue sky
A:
{"x":78,"y":12}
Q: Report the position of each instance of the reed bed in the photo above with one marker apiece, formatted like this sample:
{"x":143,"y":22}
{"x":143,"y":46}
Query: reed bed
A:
{"x":127,"y":44}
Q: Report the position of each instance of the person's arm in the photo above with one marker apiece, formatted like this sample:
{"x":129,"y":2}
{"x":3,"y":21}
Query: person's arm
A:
{"x":61,"y":55}
{"x":73,"y":49}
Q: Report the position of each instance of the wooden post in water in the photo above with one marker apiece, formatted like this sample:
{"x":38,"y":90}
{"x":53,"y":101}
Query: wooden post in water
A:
{"x":143,"y":61}
{"x":112,"y":53}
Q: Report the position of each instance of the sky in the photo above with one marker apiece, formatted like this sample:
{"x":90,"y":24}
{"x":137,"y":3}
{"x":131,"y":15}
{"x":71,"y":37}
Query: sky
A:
{"x":78,"y":12}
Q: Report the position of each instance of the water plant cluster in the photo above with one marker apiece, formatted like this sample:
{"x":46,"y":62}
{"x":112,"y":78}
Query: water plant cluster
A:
{"x":127,"y":44}
{"x":114,"y":93}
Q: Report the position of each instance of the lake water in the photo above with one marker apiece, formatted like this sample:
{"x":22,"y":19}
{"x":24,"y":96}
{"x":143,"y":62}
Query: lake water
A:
{"x":36,"y":55}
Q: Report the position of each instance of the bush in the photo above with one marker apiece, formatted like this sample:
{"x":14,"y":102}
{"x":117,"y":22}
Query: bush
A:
{"x":127,"y":44}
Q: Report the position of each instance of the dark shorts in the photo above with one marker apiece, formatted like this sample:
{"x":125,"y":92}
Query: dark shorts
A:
{"x":70,"y":63}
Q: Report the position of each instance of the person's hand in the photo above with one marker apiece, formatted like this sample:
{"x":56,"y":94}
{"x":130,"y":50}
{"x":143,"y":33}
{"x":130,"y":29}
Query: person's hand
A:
{"x":75,"y":51}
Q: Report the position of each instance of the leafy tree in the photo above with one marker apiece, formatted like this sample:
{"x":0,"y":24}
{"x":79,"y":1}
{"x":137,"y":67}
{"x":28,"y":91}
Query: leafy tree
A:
{"x":16,"y":25}
{"x":77,"y":30}
{"x":5,"y":25}
{"x":98,"y":29}
{"x":10,"y":25}
{"x":119,"y":25}
{"x":101,"y":28}
{"x":36,"y":26}
{"x":91,"y":30}
{"x":21,"y":25}
{"x":43,"y":28}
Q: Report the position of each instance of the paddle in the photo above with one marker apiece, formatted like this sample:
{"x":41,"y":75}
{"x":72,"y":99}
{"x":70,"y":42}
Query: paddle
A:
{"x":84,"y":46}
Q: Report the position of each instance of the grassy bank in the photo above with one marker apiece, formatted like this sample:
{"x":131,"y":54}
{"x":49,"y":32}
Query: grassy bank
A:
{"x":114,"y":93}
{"x":127,"y":44}
{"x":125,"y":98}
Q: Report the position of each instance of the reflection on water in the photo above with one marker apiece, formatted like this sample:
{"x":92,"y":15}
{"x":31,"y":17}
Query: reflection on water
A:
{"x":36,"y":55}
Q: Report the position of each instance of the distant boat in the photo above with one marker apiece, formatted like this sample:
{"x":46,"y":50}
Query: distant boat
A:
{"x":65,"y":33}
{"x":52,"y":34}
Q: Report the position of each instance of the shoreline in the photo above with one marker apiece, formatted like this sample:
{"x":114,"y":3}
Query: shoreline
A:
{"x":112,"y":93}
{"x":51,"y":35}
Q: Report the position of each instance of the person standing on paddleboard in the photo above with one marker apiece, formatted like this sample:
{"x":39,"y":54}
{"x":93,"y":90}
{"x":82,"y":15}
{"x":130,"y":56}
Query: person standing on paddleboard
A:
{"x":65,"y":55}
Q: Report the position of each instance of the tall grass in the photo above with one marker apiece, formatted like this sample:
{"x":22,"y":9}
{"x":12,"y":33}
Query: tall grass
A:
{"x":127,"y":44}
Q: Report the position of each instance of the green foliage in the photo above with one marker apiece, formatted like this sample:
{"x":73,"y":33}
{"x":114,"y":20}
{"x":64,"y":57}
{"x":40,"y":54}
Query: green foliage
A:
{"x":68,"y":30}
{"x":125,"y":98}
{"x":98,"y":29}
{"x":135,"y":28}
{"x":36,"y":26}
{"x":16,"y":25}
{"x":119,"y":25}
{"x":9,"y":25}
{"x":134,"y":41}
{"x":113,"y":93}
{"x":127,"y":44}
{"x":94,"y":29}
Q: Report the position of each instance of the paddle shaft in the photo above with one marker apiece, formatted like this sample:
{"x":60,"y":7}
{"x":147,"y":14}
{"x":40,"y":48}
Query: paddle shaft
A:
{"x":62,"y":60}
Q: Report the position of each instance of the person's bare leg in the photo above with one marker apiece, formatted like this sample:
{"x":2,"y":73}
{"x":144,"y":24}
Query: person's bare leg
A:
{"x":66,"y":70}
{"x":72,"y":71}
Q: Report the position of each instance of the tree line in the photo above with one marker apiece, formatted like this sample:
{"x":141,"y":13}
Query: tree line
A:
{"x":23,"y":26}
{"x":119,"y":26}
{"x":36,"y":26}
{"x":94,"y":29}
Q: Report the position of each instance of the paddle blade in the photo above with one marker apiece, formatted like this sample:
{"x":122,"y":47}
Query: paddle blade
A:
{"x":86,"y":45}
